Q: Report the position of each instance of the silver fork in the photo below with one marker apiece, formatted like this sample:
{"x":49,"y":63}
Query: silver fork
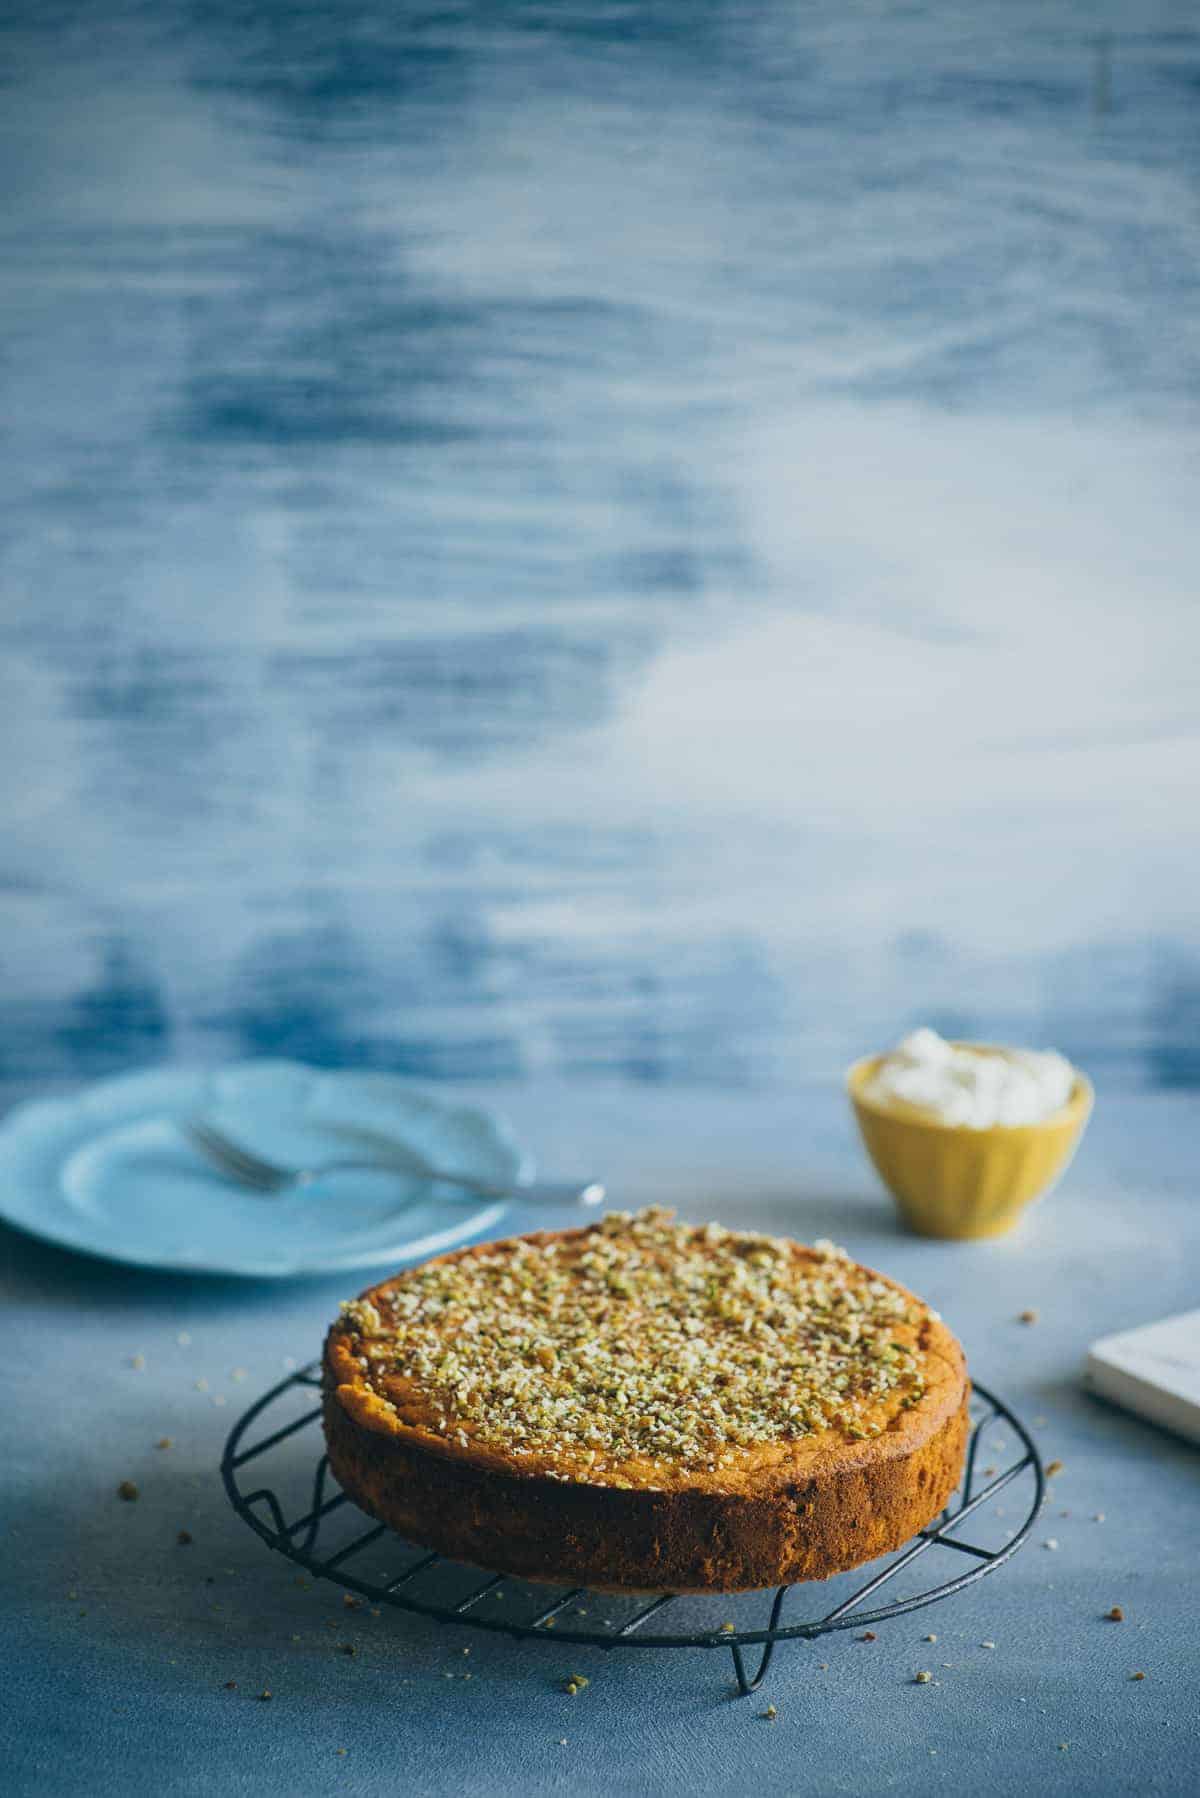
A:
{"x":269,"y":1178}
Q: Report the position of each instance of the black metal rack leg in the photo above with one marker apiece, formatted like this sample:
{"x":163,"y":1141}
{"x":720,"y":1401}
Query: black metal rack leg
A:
{"x":744,"y":1685}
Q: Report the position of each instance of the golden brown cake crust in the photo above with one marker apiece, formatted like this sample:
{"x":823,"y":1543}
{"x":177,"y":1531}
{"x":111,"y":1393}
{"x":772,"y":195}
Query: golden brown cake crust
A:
{"x":748,"y":1477}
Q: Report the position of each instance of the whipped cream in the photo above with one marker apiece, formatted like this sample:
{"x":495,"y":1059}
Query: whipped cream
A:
{"x":971,"y":1087}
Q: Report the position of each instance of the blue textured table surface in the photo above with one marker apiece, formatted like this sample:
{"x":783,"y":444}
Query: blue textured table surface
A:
{"x":118,"y":1643}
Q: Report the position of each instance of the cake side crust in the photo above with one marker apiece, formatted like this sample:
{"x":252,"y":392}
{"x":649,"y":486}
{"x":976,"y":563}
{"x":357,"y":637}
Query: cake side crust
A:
{"x":634,"y":1539}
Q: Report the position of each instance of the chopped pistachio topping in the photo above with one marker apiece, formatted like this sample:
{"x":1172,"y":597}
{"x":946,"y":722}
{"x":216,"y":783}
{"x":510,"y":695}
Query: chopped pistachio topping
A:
{"x":362,"y":1316}
{"x":640,"y":1340}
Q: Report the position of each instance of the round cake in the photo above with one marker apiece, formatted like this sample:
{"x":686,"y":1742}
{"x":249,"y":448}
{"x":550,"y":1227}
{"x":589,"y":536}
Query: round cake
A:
{"x":645,"y":1405}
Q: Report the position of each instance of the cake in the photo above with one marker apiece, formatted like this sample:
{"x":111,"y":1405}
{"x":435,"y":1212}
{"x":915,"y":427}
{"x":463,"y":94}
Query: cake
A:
{"x":645,"y":1405}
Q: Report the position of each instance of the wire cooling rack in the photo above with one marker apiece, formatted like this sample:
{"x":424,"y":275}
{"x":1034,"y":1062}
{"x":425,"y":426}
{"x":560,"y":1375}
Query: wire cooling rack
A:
{"x":320,"y":1529}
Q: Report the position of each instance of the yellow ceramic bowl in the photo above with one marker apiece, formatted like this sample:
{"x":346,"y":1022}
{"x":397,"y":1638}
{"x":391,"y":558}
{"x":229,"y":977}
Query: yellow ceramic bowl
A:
{"x":952,"y":1181}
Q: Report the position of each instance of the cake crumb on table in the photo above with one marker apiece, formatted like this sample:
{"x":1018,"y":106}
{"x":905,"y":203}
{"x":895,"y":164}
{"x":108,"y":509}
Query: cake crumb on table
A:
{"x":1116,"y":1615}
{"x":1027,"y":1317}
{"x":264,"y":1695}
{"x":922,"y":1679}
{"x":164,"y":1442}
{"x":1053,"y":1467}
{"x":931,"y":1638}
{"x":1137,"y":1675}
{"x":868,"y":1635}
{"x":127,"y":1490}
{"x":770,"y":1714}
{"x":184,"y":1538}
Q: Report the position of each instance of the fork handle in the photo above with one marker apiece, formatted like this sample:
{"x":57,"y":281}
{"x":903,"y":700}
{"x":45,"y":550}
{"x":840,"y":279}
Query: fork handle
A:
{"x":545,"y":1192}
{"x":535,"y":1192}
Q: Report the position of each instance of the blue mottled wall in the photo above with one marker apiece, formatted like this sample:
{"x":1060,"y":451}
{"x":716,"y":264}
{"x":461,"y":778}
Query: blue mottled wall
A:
{"x":642,"y":539}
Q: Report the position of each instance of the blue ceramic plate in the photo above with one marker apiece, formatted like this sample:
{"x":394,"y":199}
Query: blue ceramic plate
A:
{"x":108,"y":1171}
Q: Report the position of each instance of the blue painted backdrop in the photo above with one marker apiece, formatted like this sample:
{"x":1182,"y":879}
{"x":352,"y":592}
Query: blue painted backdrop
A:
{"x":640,"y":539}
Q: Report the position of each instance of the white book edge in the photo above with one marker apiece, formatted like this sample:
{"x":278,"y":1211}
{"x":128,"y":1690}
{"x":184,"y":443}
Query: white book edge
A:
{"x":1152,"y":1393}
